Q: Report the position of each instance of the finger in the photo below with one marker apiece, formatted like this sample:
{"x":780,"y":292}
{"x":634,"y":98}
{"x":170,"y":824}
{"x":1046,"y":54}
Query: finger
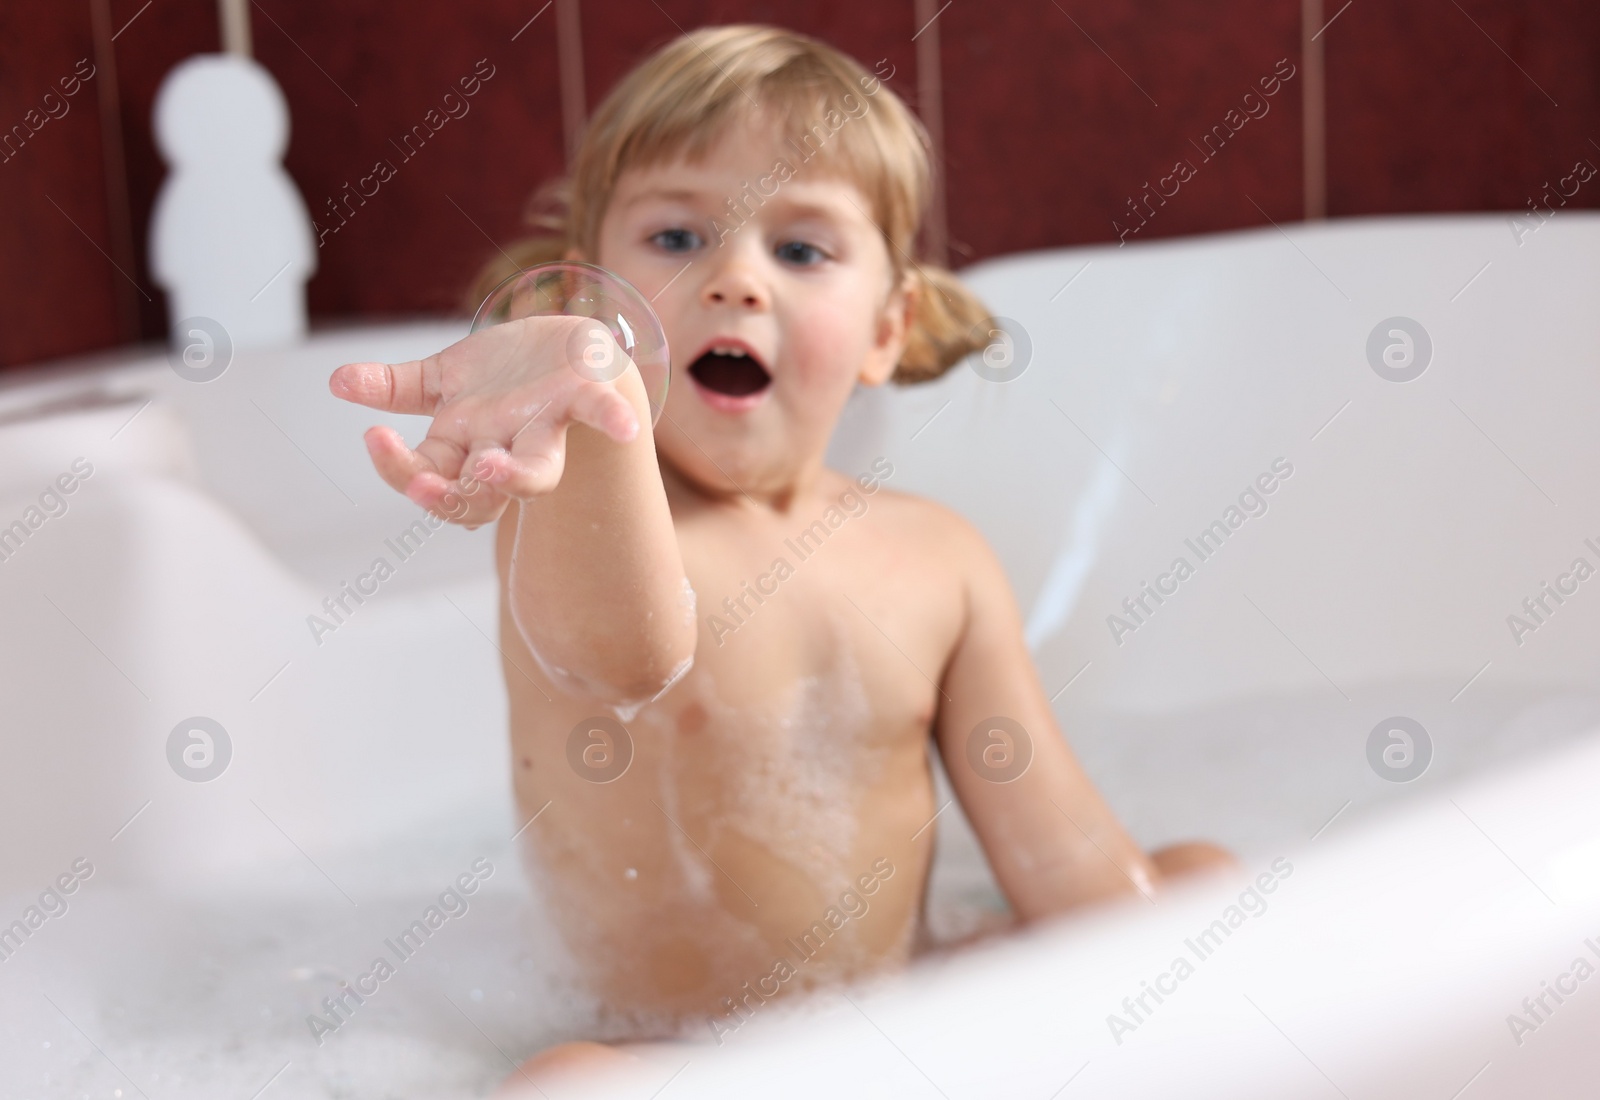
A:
{"x":534,"y":465}
{"x":448,"y":487}
{"x":417,"y":476}
{"x":603,"y":408}
{"x":513,"y":478}
{"x":396,"y":463}
{"x":474,"y":500}
{"x":444,"y":455}
{"x":409,"y":387}
{"x":430,"y":490}
{"x":470,"y":505}
{"x":476,"y":468}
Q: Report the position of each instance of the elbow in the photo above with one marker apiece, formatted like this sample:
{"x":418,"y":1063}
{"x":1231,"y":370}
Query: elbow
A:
{"x":644,"y":679}
{"x":658,"y":681}
{"x":625,"y":677}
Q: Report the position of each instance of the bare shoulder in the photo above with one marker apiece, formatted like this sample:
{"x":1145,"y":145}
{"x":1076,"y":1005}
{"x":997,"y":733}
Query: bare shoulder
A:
{"x":937,"y":532}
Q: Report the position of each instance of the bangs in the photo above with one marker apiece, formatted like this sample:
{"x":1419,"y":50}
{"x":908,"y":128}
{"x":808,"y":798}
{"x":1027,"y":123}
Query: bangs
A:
{"x":835,"y":119}
{"x":832,"y":118}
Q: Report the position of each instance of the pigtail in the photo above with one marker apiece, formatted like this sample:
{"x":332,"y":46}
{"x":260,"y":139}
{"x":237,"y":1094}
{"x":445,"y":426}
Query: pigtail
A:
{"x":948,"y":323}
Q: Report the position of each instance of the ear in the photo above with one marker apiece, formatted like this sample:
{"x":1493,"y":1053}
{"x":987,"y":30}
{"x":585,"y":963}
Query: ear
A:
{"x":894,"y":324}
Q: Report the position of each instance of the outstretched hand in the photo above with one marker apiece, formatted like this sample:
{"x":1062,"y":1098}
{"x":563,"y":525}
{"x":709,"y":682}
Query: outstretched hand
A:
{"x":501,"y":400}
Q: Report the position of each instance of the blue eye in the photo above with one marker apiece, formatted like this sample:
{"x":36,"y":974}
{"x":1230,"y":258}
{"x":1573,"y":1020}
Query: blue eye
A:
{"x":677,"y":240}
{"x":799,"y":252}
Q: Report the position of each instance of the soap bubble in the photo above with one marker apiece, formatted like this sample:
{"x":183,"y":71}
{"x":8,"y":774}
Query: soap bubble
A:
{"x":574,"y":289}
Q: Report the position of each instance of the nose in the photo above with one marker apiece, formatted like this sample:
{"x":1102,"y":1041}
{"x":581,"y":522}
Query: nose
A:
{"x":734,"y":282}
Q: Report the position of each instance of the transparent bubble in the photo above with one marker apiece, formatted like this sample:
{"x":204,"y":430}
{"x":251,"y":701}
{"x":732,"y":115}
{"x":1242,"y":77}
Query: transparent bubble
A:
{"x":574,"y":289}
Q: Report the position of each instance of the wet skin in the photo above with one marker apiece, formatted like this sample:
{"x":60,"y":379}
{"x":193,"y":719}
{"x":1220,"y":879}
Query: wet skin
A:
{"x":783,"y":762}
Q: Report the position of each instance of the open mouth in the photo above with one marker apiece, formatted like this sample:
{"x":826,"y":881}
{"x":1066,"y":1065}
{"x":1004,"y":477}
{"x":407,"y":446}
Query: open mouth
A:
{"x":730,"y":373}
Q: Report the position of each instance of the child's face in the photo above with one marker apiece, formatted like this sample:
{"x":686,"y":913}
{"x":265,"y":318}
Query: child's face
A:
{"x":797,"y":275}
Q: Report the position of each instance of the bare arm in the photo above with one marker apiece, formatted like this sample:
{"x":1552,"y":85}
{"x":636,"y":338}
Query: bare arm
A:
{"x":597,"y":585}
{"x":597,"y":580}
{"x":1050,"y":837}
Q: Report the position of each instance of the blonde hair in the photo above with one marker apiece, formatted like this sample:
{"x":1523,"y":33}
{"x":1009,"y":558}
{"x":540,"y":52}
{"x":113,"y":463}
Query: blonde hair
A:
{"x":680,"y":99}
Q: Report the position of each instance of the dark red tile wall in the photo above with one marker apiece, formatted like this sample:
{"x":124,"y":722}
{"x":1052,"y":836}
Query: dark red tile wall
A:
{"x":56,"y":291}
{"x":416,"y":243}
{"x":1426,"y":113}
{"x":1056,"y":115}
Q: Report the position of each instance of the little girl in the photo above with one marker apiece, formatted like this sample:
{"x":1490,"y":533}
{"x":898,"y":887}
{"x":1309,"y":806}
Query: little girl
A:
{"x":730,"y":795}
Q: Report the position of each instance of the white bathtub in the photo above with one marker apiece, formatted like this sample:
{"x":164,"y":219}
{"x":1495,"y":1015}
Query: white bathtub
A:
{"x":369,"y":770}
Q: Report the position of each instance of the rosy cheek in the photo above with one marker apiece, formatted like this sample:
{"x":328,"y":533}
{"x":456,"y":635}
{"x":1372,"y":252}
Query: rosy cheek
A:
{"x":829,"y":341}
{"x":803,"y":346}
